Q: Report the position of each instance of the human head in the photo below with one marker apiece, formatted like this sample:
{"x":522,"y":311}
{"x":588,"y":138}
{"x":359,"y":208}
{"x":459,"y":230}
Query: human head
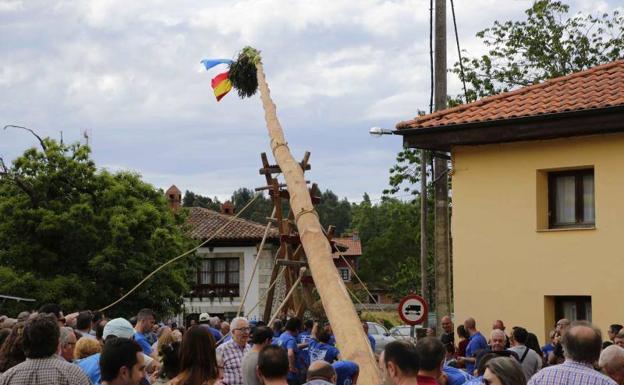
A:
{"x":118,"y":327}
{"x":272,"y":363}
{"x":447,"y":324}
{"x":240,"y":330}
{"x":612,"y":362}
{"x":614,"y":329}
{"x":197,"y":355}
{"x":86,"y":347}
{"x":53,"y":308}
{"x":12,"y":350}
{"x":483,"y":361}
{"x":122,"y":361}
{"x":84,"y":321}
{"x":170,"y":357}
{"x":277,"y":325}
{"x":470,"y":325}
{"x":41,"y":336}
{"x":204,"y":318}
{"x":262,"y":336}
{"x":504,"y":371}
{"x":582,"y":343}
{"x":399,"y":361}
{"x":619,"y":339}
{"x":321,"y":370}
{"x":145,"y":320}
{"x":225,"y":328}
{"x":497,"y":340}
{"x":430,"y":352}
{"x":293,"y":325}
{"x":461,"y":331}
{"x":68,"y":342}
{"x":562,"y":325}
{"x":519,"y":335}
{"x":365,"y":327}
{"x":498,"y":324}
{"x":308,"y":324}
{"x":323,"y":336}
{"x":215,"y":322}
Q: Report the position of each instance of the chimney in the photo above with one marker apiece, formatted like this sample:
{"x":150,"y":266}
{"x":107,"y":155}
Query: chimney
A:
{"x":227,"y":208}
{"x":174,"y":198}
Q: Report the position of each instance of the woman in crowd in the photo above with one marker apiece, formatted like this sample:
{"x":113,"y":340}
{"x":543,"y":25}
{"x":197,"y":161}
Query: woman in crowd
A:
{"x":170,"y":360}
{"x":198,"y":360}
{"x":12,"y":350}
{"x":86,"y":347}
{"x":503,"y":371}
{"x":464,"y":338}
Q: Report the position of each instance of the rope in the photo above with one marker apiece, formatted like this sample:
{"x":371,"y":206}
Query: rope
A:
{"x":292,"y":290}
{"x":303,"y":212}
{"x":461,"y":64}
{"x":361,"y":282}
{"x":253,"y":272}
{"x":150,"y":275}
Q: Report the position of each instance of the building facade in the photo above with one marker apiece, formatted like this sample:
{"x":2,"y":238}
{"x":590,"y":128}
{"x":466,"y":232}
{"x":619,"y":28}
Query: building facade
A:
{"x":537,"y":213}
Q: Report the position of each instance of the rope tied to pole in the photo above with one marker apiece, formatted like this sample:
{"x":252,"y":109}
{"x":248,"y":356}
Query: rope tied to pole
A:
{"x":303,"y":212}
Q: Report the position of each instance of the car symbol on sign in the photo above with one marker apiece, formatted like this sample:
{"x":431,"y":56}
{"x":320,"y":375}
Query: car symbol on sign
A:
{"x":413,"y":309}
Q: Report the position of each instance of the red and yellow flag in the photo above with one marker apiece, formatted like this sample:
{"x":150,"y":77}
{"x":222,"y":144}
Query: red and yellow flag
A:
{"x":221,"y":85}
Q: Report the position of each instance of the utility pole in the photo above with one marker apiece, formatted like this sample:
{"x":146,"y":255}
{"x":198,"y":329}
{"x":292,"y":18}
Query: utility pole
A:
{"x":440,"y":175}
{"x":424,"y":252}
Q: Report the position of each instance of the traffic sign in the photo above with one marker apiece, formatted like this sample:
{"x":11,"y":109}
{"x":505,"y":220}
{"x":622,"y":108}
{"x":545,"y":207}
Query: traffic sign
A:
{"x":413,"y":309}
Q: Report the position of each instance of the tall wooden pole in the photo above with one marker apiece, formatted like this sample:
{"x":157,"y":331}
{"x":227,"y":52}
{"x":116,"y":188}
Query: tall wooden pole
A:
{"x":424,"y":252}
{"x":442,"y":249}
{"x":352,"y":341}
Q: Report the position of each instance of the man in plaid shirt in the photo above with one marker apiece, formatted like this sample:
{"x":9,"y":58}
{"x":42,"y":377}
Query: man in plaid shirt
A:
{"x":43,"y":366}
{"x":230,"y":355}
{"x":582,"y":344}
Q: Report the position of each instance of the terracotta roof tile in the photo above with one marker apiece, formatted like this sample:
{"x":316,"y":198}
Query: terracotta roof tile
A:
{"x":598,"y":87}
{"x":354,"y":247}
{"x":204,"y":223}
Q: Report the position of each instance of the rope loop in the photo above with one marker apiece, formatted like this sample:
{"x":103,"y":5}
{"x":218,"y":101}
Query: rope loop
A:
{"x":303,"y":212}
{"x":275,"y":144}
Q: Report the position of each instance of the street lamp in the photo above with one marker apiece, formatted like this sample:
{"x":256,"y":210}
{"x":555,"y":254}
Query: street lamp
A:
{"x":378,"y":131}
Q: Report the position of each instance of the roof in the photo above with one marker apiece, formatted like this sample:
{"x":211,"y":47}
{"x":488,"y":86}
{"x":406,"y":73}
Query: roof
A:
{"x":173,"y":189}
{"x":205,"y":223}
{"x":354,"y":247}
{"x":595,"y":88}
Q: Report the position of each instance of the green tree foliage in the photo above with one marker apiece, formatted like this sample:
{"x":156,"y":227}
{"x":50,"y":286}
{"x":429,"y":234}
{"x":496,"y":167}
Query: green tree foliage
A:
{"x":334,"y":211}
{"x":390,"y":235}
{"x":547,"y":44}
{"x":82,"y":238}
{"x":191,"y":199}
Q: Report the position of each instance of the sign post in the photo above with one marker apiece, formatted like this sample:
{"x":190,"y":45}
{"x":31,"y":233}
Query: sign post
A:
{"x":413,"y":310}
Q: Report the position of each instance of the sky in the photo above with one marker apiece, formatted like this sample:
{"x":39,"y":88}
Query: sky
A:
{"x":128,"y":73}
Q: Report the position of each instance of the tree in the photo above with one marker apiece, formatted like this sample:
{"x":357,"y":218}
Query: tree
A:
{"x":334,"y":211}
{"x":547,"y":44}
{"x":82,"y":238}
{"x":191,"y":199}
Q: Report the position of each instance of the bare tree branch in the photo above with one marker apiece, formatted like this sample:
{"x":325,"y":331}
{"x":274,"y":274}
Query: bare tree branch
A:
{"x":43,"y":146}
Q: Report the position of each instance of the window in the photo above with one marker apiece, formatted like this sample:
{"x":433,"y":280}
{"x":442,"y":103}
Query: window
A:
{"x":571,"y":198}
{"x":345,"y":274}
{"x":220,"y":275}
{"x":574,"y":308}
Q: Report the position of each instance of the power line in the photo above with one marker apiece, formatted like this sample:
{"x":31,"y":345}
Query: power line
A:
{"x":461,"y":64}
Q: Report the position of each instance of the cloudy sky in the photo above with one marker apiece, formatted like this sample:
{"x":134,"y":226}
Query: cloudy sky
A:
{"x":129,"y":73}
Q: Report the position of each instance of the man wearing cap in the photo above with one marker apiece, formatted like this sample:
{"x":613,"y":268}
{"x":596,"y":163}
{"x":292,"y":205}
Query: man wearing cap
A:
{"x":204,"y":321}
{"x":118,"y":327}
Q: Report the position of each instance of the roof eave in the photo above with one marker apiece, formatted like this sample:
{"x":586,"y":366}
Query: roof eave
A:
{"x":537,"y":127}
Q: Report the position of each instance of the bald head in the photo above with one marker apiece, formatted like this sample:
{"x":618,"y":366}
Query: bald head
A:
{"x":321,"y":370}
{"x":582,"y":343}
{"x":612,"y":359}
{"x":470,"y":324}
{"x":447,"y":324}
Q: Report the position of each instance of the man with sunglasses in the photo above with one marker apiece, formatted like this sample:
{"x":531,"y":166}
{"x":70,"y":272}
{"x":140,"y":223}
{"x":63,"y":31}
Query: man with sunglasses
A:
{"x":230,"y":355}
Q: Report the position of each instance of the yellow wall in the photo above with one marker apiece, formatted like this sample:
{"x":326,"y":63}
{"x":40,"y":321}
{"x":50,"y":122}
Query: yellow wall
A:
{"x":503,"y":264}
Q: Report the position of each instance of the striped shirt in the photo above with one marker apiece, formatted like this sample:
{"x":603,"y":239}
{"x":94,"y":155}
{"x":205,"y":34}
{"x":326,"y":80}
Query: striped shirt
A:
{"x":45,"y":371}
{"x":570,"y":373}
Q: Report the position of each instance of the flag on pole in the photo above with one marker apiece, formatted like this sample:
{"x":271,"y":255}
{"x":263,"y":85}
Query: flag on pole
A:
{"x":221,"y":85}
{"x":209,"y":63}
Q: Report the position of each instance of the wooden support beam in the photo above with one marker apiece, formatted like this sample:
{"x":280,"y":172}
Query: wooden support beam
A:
{"x":287,"y":262}
{"x":269,"y":187}
{"x":274,"y":169}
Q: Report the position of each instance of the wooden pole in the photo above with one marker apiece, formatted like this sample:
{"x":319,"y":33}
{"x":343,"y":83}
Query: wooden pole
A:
{"x":424,"y":249}
{"x":442,"y":250}
{"x":352,"y":341}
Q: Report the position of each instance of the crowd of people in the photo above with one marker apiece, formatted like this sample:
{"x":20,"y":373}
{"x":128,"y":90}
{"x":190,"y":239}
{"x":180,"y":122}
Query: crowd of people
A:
{"x":47,"y":347}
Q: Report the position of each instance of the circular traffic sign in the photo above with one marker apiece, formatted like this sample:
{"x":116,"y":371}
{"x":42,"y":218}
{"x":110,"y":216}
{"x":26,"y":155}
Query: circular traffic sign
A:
{"x":413,"y":309}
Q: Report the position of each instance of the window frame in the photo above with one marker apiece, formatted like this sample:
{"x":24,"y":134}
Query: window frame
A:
{"x":578,"y":198}
{"x":342,"y":270}
{"x":221,"y":290}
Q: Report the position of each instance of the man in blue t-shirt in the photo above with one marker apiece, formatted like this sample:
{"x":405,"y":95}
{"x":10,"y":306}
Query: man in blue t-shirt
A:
{"x":288,"y":341}
{"x":477,"y":343}
{"x":372,"y":341}
{"x":145,"y":322}
{"x":204,"y":321}
{"x":320,"y":349}
{"x":346,"y":372}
